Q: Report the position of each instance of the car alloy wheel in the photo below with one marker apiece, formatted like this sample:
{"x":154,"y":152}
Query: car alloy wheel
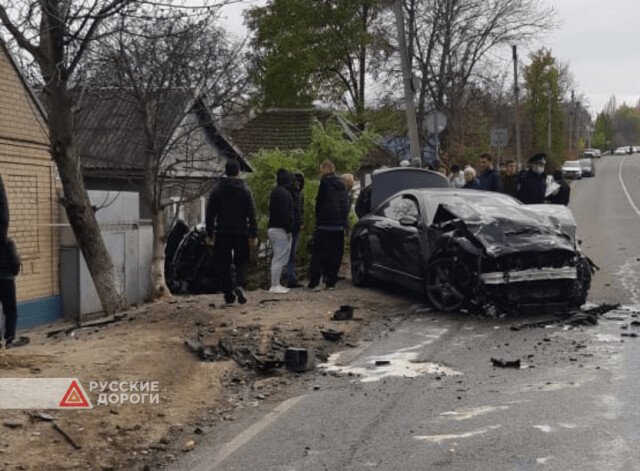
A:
{"x":359,"y":265}
{"x":447,"y":284}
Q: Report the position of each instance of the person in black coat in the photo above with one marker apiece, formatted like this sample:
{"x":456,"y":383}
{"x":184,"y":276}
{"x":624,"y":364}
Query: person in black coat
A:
{"x":231,"y":228}
{"x":489,"y":178}
{"x":9,"y":268}
{"x":332,"y":213}
{"x":297,"y":197}
{"x":280,"y":227}
{"x":562,"y":194}
{"x":510,"y":178}
{"x":532,"y":183}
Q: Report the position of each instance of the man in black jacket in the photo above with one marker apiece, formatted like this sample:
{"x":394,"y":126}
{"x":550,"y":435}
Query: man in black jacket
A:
{"x":280,"y":226}
{"x":297,"y":197}
{"x":332,"y":213}
{"x":231,"y":216}
{"x":489,"y":178}
{"x":532,"y":183}
{"x":9,"y":268}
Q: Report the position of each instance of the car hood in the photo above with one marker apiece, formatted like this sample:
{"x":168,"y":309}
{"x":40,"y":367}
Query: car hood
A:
{"x":505,"y":230}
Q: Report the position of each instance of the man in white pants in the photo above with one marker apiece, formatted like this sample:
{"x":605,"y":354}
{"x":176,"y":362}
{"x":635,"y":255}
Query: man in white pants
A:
{"x":280,"y":225}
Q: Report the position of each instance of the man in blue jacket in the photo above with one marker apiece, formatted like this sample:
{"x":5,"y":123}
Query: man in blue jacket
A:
{"x":532,"y":182}
{"x":489,"y":178}
{"x":332,"y":213}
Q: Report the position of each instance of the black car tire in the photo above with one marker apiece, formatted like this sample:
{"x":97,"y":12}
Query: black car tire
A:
{"x":360,"y":262}
{"x":447,"y":284}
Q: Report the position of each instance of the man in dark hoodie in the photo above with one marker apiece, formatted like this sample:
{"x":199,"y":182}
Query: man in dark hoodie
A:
{"x":280,"y":226}
{"x":332,"y":213}
{"x":489,"y":178}
{"x":297,"y":197}
{"x":231,"y":216}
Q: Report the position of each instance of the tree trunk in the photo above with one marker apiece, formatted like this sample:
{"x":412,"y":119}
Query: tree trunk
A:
{"x":76,"y":202}
{"x":158,"y":286}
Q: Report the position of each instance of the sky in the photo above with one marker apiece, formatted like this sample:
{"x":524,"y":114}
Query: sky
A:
{"x":599,"y":39}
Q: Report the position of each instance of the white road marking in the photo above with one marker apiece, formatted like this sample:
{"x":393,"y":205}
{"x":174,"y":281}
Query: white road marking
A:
{"x":624,"y":188}
{"x":471,"y":413}
{"x":544,"y":428}
{"x":442,"y":438}
{"x":242,"y":439}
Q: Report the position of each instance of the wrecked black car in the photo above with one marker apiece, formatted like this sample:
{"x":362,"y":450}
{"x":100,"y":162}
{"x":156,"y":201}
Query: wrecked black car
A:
{"x":190,"y":266}
{"x":473,"y":250}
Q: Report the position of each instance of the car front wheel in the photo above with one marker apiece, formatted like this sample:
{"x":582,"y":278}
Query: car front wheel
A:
{"x":447,"y":284}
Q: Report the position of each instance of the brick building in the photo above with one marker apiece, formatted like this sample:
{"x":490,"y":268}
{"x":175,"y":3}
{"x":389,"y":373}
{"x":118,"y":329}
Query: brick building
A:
{"x":29,"y":177}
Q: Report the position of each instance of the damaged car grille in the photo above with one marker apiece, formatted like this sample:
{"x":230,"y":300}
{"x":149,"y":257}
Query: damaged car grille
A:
{"x":533,"y":274}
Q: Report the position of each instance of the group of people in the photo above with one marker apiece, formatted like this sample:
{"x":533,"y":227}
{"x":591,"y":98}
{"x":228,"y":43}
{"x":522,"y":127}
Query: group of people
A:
{"x":529,"y":186}
{"x":232,"y":228}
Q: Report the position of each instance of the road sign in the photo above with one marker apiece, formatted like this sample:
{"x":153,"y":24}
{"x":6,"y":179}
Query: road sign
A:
{"x":499,"y":137}
{"x":435,"y":122}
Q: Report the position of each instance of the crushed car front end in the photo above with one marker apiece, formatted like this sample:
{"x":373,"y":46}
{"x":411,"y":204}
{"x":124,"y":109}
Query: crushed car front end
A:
{"x":517,"y":258}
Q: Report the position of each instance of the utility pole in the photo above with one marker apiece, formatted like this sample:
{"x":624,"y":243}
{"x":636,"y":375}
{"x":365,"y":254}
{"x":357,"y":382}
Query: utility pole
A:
{"x":549,"y":121}
{"x":572,"y":112}
{"x":414,"y":141}
{"x":516,"y":92}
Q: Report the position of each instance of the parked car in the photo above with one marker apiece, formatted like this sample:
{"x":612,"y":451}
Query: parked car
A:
{"x":623,"y":150}
{"x":588,"y":168}
{"x":473,"y":250}
{"x":572,"y":169}
{"x":595,"y":153}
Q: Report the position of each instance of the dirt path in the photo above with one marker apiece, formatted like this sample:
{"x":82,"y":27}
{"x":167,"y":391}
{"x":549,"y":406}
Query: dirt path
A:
{"x":148,"y":345}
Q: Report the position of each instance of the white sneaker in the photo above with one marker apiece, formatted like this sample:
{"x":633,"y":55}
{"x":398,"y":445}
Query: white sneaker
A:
{"x":278,"y":289}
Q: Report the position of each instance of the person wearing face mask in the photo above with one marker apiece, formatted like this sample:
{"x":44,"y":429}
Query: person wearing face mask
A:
{"x":532,"y":182}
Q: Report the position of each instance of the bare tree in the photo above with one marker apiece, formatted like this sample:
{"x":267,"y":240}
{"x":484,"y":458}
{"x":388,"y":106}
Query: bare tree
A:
{"x":450,"y":40}
{"x":158,"y":68}
{"x":58,"y":34}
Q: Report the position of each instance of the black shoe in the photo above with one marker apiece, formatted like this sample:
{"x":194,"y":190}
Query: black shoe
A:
{"x":239,"y":292}
{"x":229,"y":300}
{"x":294,"y":285}
{"x":19,"y":342}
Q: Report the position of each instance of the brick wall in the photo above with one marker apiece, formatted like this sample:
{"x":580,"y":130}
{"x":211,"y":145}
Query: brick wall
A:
{"x":28,"y":174}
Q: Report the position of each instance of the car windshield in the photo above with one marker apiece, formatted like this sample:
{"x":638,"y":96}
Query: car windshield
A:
{"x":470,"y":196}
{"x":572,"y":164}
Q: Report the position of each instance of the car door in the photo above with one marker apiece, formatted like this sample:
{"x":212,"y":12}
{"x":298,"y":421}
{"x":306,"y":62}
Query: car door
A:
{"x":399,"y":241}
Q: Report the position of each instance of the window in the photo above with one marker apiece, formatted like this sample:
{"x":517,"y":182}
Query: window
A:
{"x":398,"y":208}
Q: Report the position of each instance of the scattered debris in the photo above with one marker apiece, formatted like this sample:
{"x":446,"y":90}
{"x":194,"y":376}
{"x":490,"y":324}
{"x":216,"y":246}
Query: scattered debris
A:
{"x":42,"y":416}
{"x":382,"y":362}
{"x":205,"y":353}
{"x":100,"y":323}
{"x":189,"y":446}
{"x":299,"y":359}
{"x":331,"y":334}
{"x":12,"y":424}
{"x":626,"y":334}
{"x":501,"y":363}
{"x":588,"y":317}
{"x":68,"y":437}
{"x":345,"y":313}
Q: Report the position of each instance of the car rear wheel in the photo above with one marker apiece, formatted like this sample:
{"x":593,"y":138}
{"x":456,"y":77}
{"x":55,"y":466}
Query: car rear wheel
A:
{"x":447,"y":284}
{"x":360,"y":261}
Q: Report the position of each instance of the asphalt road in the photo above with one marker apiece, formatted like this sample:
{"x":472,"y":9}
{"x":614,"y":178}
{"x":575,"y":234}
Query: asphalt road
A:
{"x":440,"y":404}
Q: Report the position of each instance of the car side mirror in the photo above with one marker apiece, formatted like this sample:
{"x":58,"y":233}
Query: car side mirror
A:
{"x":408,"y":221}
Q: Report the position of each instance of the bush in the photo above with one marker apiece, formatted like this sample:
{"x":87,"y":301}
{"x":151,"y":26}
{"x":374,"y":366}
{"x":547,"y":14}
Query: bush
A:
{"x":326,"y":143}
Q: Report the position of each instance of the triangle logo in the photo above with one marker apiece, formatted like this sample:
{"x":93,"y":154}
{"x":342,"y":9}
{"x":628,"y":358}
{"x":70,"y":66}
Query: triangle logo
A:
{"x":74,"y":397}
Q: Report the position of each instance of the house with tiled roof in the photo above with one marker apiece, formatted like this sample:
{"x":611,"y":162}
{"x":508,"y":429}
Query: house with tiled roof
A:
{"x":29,"y":176}
{"x":290,"y":129}
{"x":112,"y":148}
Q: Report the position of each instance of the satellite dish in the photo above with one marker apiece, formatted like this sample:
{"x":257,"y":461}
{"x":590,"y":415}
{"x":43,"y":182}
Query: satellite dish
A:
{"x":435,"y":122}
